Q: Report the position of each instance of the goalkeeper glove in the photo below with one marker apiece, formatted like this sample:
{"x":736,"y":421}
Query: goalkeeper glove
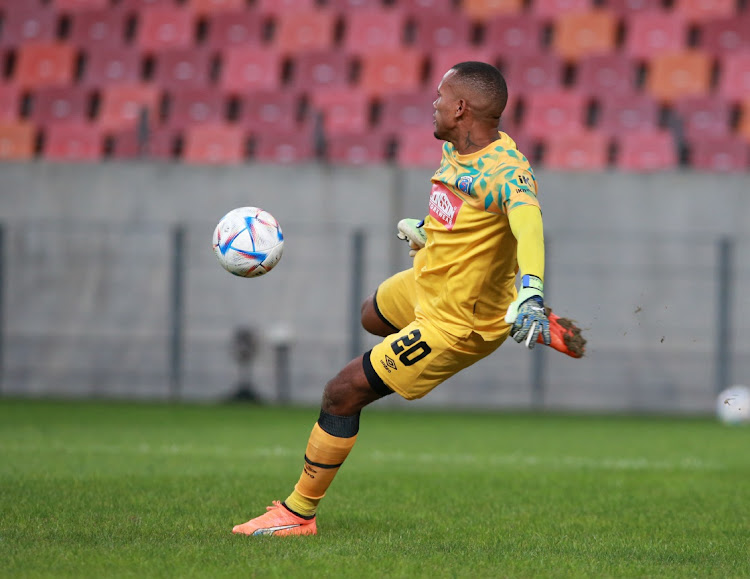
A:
{"x":410,"y":230}
{"x":527,"y":313}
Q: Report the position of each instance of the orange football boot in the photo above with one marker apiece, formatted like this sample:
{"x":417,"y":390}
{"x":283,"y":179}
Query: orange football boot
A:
{"x":565,"y":336}
{"x":278,"y":521}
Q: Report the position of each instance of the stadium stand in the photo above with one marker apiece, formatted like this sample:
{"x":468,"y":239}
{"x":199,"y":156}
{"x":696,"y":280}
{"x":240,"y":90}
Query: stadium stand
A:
{"x":97,"y":29}
{"x":389,"y":71}
{"x":193,"y":107}
{"x":587,"y":151}
{"x":743,"y":130}
{"x":417,"y":148}
{"x":695,"y":11}
{"x":215,"y":144}
{"x":650,"y":33}
{"x":734,"y":78}
{"x":124,"y":106}
{"x":72,"y":142}
{"x":161,"y":27}
{"x":247,"y":69}
{"x":182,"y":68}
{"x":406,"y":111}
{"x":724,"y":35}
{"x":27,"y":22}
{"x":109,"y":66}
{"x":645,"y":151}
{"x":157,"y":144}
{"x":624,"y":8}
{"x":208,"y":7}
{"x":356,"y":149}
{"x":441,"y":30}
{"x":302,"y":31}
{"x":415,"y":6}
{"x":342,"y":111}
{"x":674,"y":75}
{"x":43,"y":64}
{"x":79,"y":5}
{"x":558,"y":112}
{"x":551,"y":10}
{"x":625,"y":113}
{"x":281,"y":8}
{"x":225,"y":29}
{"x":320,"y":69}
{"x":284,"y":148}
{"x":531,"y":73}
{"x":703,"y":117}
{"x":267,"y":111}
{"x":17,"y":141}
{"x":371,"y":31}
{"x":61,"y":104}
{"x":10,"y":102}
{"x":721,"y":155}
{"x":514,"y":34}
{"x":577,"y":34}
{"x":484,"y":10}
{"x":606,"y":75}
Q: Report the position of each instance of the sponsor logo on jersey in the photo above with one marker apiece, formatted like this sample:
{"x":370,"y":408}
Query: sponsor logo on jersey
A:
{"x":523,"y":179}
{"x":464,"y":184}
{"x":444,"y":205}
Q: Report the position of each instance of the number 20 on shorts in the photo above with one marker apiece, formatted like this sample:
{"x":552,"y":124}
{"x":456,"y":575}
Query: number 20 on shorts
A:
{"x":410,"y":348}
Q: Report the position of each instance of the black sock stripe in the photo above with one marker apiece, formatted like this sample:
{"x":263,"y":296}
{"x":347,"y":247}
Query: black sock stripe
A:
{"x":380,"y":314}
{"x":321,"y":465}
{"x":376,"y":382}
{"x":340,"y":426}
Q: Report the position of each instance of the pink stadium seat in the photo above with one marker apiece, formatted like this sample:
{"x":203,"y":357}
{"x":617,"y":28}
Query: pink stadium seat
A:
{"x":622,"y":114}
{"x":79,"y":5}
{"x":283,"y":7}
{"x":484,"y":10}
{"x":285,"y":148}
{"x":628,"y":7}
{"x":269,"y":111}
{"x":578,"y":34}
{"x":162,"y":27}
{"x":696,"y":11}
{"x":160,"y":144}
{"x":44,"y":64}
{"x":226,"y":29}
{"x":25,"y":22}
{"x":704,"y":117}
{"x":724,"y":35}
{"x":96,"y":29}
{"x":529,"y":73}
{"x":441,"y":30}
{"x":556,"y":112}
{"x":246,"y":69}
{"x":743,"y":130}
{"x":417,"y":148}
{"x":136,"y":6}
{"x":584,"y":152}
{"x":209,"y":7}
{"x":646,"y":151}
{"x":391,"y":71}
{"x":603,"y":76}
{"x":123,"y":105}
{"x":182,"y":68}
{"x":17,"y":141}
{"x":106,"y":66}
{"x":406,"y":111}
{"x":650,"y":33}
{"x":60,"y":105}
{"x":299,"y":32}
{"x":72,"y":142}
{"x":193,"y":107}
{"x":10,"y":103}
{"x":553,"y":9}
{"x":314,"y":70}
{"x":721,"y":155}
{"x":344,"y":111}
{"x":675,"y":75}
{"x":513,"y":34}
{"x":373,"y":31}
{"x":415,"y":6}
{"x":214,"y":145}
{"x":442,"y":61}
{"x":734,"y":76}
{"x":348,"y":5}
{"x":356,"y":149}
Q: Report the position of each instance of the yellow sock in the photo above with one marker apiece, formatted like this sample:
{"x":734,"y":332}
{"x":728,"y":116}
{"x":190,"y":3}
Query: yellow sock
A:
{"x":324,"y":455}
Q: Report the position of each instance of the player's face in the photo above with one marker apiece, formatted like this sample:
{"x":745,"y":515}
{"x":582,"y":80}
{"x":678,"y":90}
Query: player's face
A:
{"x":445,"y":107}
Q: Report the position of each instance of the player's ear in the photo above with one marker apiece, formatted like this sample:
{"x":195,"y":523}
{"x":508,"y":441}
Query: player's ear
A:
{"x":460,"y":107}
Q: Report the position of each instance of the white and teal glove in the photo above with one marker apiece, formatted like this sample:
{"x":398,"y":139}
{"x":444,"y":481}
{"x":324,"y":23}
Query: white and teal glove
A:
{"x":527,"y":313}
{"x":411,"y":231}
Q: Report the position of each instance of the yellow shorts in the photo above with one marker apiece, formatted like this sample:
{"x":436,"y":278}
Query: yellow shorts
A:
{"x":418,"y":355}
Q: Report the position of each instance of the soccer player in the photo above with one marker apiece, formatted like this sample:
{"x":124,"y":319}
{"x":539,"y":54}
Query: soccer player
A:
{"x":457,"y":304}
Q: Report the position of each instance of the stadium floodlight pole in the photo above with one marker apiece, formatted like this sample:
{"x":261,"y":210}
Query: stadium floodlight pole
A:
{"x":176,"y":312}
{"x":357,"y":283}
{"x":723,"y":354}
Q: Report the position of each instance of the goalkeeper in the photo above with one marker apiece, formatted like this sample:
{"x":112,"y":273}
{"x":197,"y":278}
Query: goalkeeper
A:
{"x":457,"y":304}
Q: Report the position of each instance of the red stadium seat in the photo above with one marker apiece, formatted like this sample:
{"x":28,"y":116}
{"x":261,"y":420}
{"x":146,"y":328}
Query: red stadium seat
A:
{"x":514,"y":34}
{"x":627,"y":113}
{"x":242,"y":29}
{"x":356,"y":149}
{"x":704,"y":117}
{"x":73,"y":142}
{"x":122,"y":106}
{"x":106,"y":66}
{"x":406,"y":111}
{"x":283,"y":7}
{"x":214,"y":145}
{"x":443,"y":60}
{"x":646,"y":151}
{"x":79,"y":5}
{"x":343,"y":111}
{"x":553,"y":9}
{"x":285,"y":148}
{"x":557,"y":112}
{"x":743,"y":130}
{"x":697,"y":11}
{"x":24,"y":22}
{"x":182,"y":68}
{"x":209,"y":7}
{"x":17,"y":141}
{"x":441,"y":30}
{"x":485,"y":10}
{"x":136,"y":6}
{"x":726,"y":155}
{"x":60,"y":105}
{"x":734,"y":76}
{"x":43,"y":64}
{"x":314,"y":70}
{"x":416,"y":6}
{"x":675,"y":75}
{"x":391,"y":71}
{"x":10,"y":103}
{"x":160,"y":144}
{"x":585,"y":152}
{"x":162,"y":27}
{"x":651,"y":33}
{"x":97,"y":29}
{"x":373,"y":31}
{"x":417,"y":148}
{"x":246,"y":69}
{"x":530,"y":73}
{"x":192,"y":107}
{"x":725,"y":35}
{"x":348,"y":5}
{"x":268,"y":111}
{"x":578,"y":34}
{"x":603,"y":76}
{"x":629,"y":7}
{"x":300,"y":32}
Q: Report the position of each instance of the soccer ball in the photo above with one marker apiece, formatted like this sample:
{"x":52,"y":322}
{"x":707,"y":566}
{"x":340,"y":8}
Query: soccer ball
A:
{"x":248,"y":242}
{"x":733,"y":405}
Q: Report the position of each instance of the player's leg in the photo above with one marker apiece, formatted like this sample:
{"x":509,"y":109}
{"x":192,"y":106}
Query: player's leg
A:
{"x":391,"y":307}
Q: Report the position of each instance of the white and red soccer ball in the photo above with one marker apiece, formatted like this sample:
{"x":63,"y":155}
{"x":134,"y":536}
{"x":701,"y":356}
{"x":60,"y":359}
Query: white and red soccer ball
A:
{"x":248,"y":242}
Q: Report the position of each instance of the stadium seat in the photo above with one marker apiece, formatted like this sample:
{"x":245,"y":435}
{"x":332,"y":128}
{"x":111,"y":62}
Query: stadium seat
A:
{"x":391,"y":71}
{"x":441,"y":30}
{"x":626,"y":8}
{"x":373,"y":31}
{"x":300,"y":32}
{"x":578,"y":34}
{"x":587,"y":151}
{"x":417,"y":148}
{"x":182,"y":68}
{"x":557,"y":112}
{"x":269,"y":111}
{"x":725,"y":35}
{"x":344,"y":111}
{"x":743,"y":129}
{"x":316,"y":69}
{"x":551,"y":10}
{"x":284,"y":148}
{"x":10,"y":103}
{"x":192,"y":107}
{"x":697,"y":11}
{"x":283,"y":7}
{"x":674,"y":75}
{"x":79,"y":5}
{"x":414,"y":6}
{"x":227,"y":29}
{"x":348,"y":5}
{"x":136,"y":6}
{"x":720,"y":155}
{"x":72,"y":142}
{"x":356,"y":149}
{"x":246,"y":69}
{"x":651,"y":33}
{"x":209,"y":7}
{"x":96,"y":29}
{"x":106,"y":66}
{"x":646,"y":151}
{"x":214,"y":145}
{"x":43,"y":64}
{"x":122,"y":106}
{"x":734,"y":76}
{"x":701,"y":117}
{"x":60,"y":104}
{"x":162,"y":27}
{"x":513,"y":34}
{"x":627,"y":113}
{"x":406,"y":111}
{"x":443,"y":60}
{"x":485,"y":10}
{"x":528,"y":73}
{"x":17,"y":141}
{"x":160,"y":144}
{"x":25,"y":22}
{"x":606,"y":75}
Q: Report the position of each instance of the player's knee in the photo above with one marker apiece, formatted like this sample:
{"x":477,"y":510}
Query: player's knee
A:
{"x":368,"y":316}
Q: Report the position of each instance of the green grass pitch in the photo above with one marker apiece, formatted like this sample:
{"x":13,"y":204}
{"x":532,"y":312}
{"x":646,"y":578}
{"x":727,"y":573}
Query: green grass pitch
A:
{"x":95,"y":489}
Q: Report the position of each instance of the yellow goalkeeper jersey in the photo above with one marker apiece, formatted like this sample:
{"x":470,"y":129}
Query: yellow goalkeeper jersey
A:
{"x":466,"y":272}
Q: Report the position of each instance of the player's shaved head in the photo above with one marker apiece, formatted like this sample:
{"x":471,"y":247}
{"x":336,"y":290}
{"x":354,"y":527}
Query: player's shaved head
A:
{"x":484,"y":88}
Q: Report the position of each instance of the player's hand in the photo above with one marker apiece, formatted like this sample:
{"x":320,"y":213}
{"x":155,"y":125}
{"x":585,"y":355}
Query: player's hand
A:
{"x":527,"y":314}
{"x":410,"y":230}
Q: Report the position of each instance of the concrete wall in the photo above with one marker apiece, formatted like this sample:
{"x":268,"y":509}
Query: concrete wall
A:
{"x":87,"y":288}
